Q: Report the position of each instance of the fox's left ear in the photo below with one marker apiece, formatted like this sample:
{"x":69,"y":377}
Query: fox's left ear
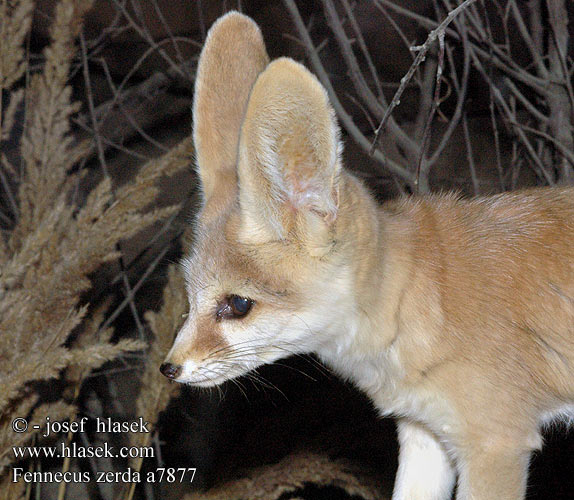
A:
{"x":289,"y":159}
{"x":233,"y":56}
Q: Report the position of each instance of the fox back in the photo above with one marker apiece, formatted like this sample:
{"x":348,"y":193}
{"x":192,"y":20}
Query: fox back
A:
{"x":456,"y":316}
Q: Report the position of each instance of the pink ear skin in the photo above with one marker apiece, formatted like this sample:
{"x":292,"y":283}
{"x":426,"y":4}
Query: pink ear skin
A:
{"x":289,"y":161}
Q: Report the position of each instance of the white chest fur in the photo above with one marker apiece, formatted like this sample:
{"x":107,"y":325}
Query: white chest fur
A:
{"x":381,"y":376}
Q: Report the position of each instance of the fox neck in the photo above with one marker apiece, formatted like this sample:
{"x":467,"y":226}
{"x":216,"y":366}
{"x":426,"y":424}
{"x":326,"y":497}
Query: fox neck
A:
{"x":376,"y":246}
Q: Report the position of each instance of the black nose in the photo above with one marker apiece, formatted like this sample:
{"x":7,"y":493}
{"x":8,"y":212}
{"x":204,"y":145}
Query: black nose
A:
{"x":169,"y":370}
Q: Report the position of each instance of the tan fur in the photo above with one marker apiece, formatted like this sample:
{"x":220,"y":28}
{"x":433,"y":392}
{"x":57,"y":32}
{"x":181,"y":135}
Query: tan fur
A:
{"x":222,"y":86}
{"x":455,"y":315}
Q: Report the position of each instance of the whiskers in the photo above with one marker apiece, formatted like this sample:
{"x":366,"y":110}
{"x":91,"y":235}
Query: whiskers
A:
{"x":231,"y":361}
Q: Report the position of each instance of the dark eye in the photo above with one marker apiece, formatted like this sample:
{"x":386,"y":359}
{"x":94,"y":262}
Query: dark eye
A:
{"x":233,"y":306}
{"x":240,"y":305}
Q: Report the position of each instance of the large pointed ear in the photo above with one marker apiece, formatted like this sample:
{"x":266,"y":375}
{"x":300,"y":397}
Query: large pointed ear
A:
{"x":289,"y":159}
{"x":233,"y":56}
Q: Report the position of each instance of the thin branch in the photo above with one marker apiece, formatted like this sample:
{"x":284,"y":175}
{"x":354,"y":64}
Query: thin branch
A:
{"x":346,"y":120}
{"x":533,"y":110}
{"x":470,"y":156}
{"x":422,"y":167}
{"x":110,"y":143}
{"x":7,"y":220}
{"x":401,"y":34}
{"x":364,"y":50}
{"x":421,"y":54}
{"x":103,"y":164}
{"x":112,"y":317}
{"x":166,"y":226}
{"x":362,"y":108}
{"x":516,"y":163}
{"x":533,"y":47}
{"x":503,"y":54}
{"x":166,"y":77}
{"x":491,"y":108}
{"x":130,"y":119}
{"x":558,"y":145}
{"x":143,"y":33}
{"x":114,"y":126}
{"x":461,"y":89}
{"x":563,"y":66}
{"x":91,"y":109}
{"x":425,"y":101}
{"x":167,"y":29}
{"x":534,"y":82}
{"x":9,"y":194}
{"x":355,"y":72}
{"x":512,"y":119}
{"x":560,"y":100}
{"x":359,"y":83}
{"x":201,"y":19}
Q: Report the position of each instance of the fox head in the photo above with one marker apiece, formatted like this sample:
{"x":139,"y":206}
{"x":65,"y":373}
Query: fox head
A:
{"x":269,"y":272}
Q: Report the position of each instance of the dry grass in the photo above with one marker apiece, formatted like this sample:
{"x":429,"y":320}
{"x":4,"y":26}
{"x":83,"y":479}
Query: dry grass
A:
{"x":155,"y":394}
{"x":292,"y":474}
{"x":51,"y":245}
{"x":64,"y":220}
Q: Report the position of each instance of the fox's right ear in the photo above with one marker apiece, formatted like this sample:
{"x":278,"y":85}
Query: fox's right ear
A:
{"x":233,"y":56}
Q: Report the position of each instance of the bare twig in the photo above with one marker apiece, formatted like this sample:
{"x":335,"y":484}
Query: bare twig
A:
{"x":470,"y":156}
{"x":560,"y":100}
{"x":139,"y":102}
{"x":531,"y":108}
{"x":568,"y":153}
{"x":516,"y":163}
{"x":167,"y":29}
{"x":6,"y":219}
{"x":461,"y":90}
{"x":493,"y":55}
{"x":422,"y":167}
{"x":143,"y":33}
{"x":8,"y":190}
{"x":511,"y":118}
{"x":355,"y":72}
{"x":421,"y":54}
{"x":91,"y":109}
{"x":201,"y":19}
{"x":369,"y":99}
{"x":495,"y":132}
{"x":361,"y":41}
{"x":112,"y":317}
{"x":531,"y":41}
{"x":103,"y":164}
{"x":560,"y":40}
{"x":399,"y":31}
{"x":426,"y":86}
{"x":346,"y":120}
{"x":131,"y":120}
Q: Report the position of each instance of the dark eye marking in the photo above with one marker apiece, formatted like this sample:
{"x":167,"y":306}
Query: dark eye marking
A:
{"x":233,"y":307}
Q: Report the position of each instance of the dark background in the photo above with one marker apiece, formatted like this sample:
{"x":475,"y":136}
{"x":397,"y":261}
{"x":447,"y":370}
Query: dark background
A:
{"x":305,"y":407}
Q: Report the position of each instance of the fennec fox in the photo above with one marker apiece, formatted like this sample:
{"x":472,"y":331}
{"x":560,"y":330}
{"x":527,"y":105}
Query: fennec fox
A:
{"x":456,"y":316}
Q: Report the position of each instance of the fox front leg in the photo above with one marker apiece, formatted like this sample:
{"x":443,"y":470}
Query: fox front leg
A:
{"x":487,"y":474}
{"x":425,"y":471}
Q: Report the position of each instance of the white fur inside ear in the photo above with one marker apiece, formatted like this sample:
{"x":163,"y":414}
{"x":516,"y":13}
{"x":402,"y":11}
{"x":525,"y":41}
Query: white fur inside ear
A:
{"x":289,"y":159}
{"x":312,"y":194}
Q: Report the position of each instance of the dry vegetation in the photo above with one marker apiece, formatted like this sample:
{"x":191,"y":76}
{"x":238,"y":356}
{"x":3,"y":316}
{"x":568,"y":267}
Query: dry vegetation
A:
{"x":519,"y":54}
{"x":290,"y":475}
{"x":486,"y":105}
{"x":52,"y":245}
